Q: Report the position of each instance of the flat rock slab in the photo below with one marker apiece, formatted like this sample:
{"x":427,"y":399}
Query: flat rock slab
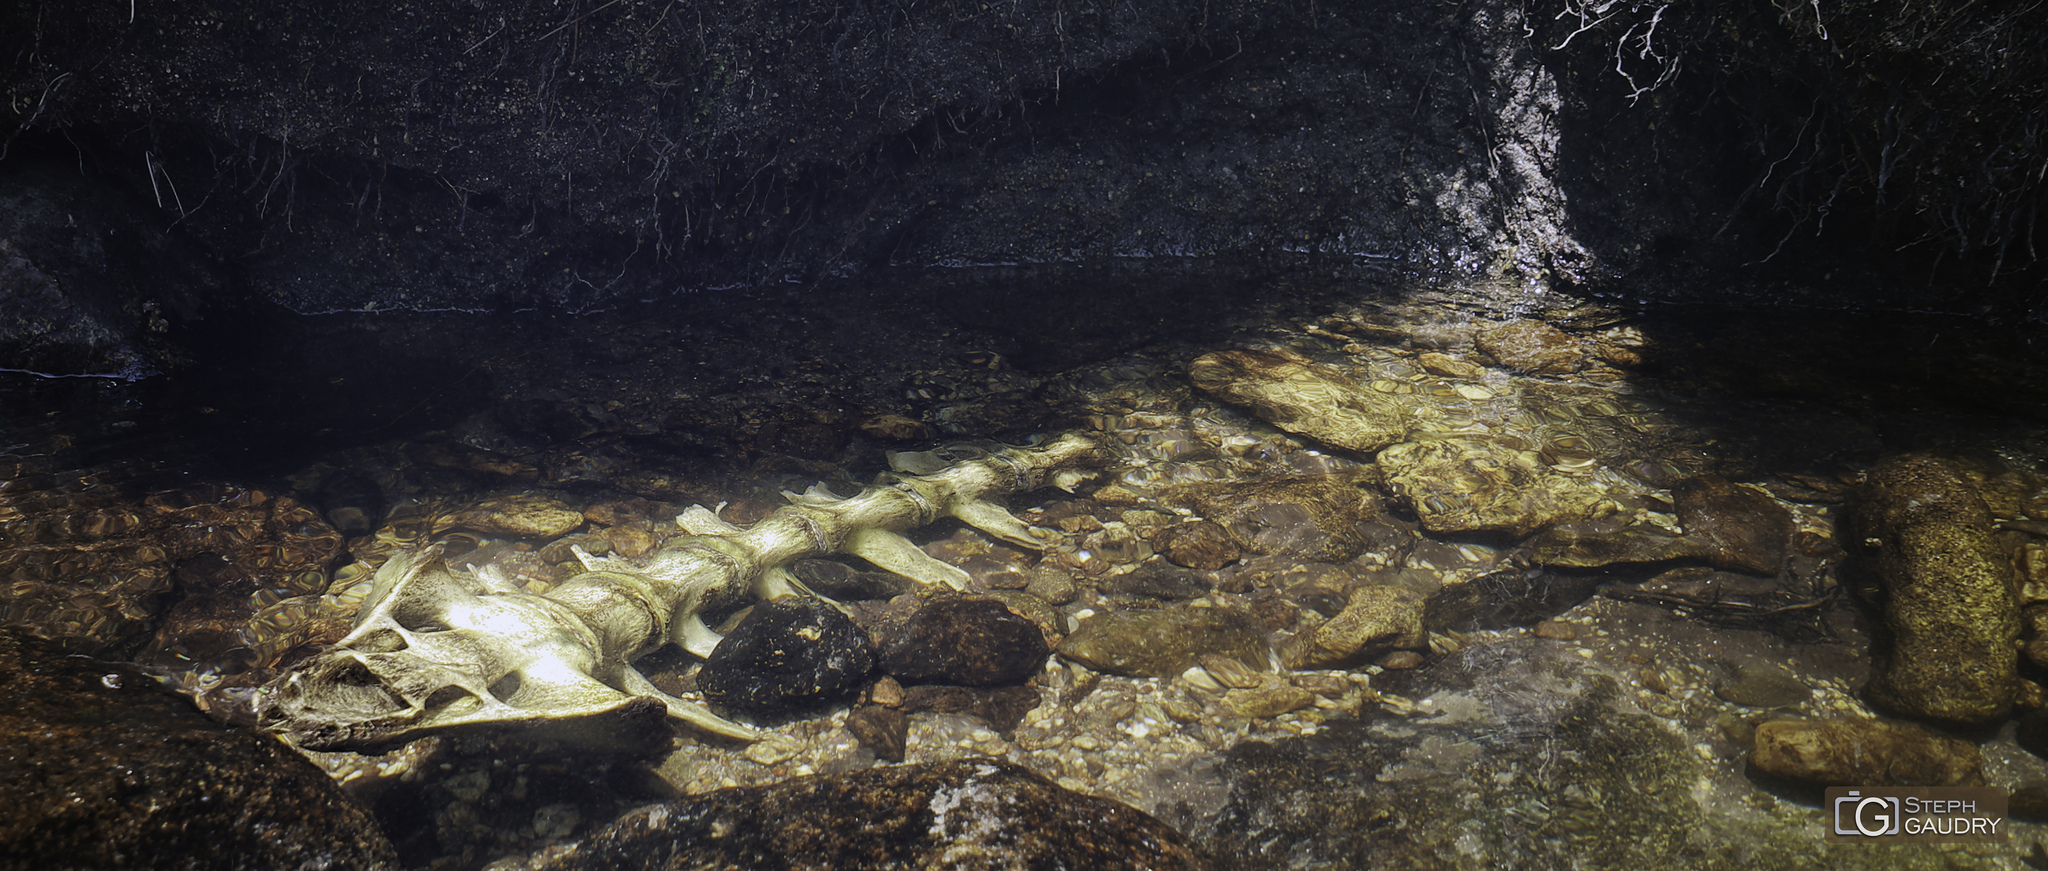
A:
{"x":1288,"y":391}
{"x":100,"y":767}
{"x":1486,"y":485}
{"x":964,"y":814}
{"x":1164,"y":642}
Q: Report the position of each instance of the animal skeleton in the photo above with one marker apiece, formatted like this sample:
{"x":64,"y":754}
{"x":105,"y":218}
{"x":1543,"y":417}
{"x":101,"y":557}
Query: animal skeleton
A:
{"x":433,"y":649}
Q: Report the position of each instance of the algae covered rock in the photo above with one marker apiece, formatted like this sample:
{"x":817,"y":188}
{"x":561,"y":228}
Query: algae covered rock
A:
{"x":1376,"y":620}
{"x":1302,"y":397}
{"x":1482,"y":484}
{"x":1858,"y":752}
{"x":1534,"y":347}
{"x":1943,"y":590}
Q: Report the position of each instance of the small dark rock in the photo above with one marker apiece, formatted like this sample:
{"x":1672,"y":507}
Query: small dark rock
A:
{"x":787,"y":655}
{"x":883,"y":730}
{"x":1197,"y":545}
{"x":1162,"y":580}
{"x":354,"y":504}
{"x":1002,"y":708}
{"x":969,"y":813}
{"x":965,"y":642}
{"x":2028,"y":804}
{"x":1762,"y":687}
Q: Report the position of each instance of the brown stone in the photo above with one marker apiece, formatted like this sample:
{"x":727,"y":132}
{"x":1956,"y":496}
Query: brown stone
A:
{"x":1269,"y":699}
{"x":1741,"y":529}
{"x":1534,"y":347}
{"x":886,"y":731}
{"x":520,"y":516}
{"x":631,"y":542}
{"x":1857,"y":752}
{"x":1446,"y":366}
{"x":1196,"y":545}
{"x":895,"y":428}
{"x":1374,"y":621}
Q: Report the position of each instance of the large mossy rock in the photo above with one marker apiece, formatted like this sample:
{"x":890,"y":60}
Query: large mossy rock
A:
{"x":100,"y":767}
{"x":1944,"y":592}
{"x":969,"y":813}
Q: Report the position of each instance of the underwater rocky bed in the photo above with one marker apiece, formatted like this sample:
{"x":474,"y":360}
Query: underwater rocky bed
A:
{"x":1368,"y":574}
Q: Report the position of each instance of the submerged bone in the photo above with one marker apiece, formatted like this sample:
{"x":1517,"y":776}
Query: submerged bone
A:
{"x":900,"y":555}
{"x":997,"y":521}
{"x":435,"y":649}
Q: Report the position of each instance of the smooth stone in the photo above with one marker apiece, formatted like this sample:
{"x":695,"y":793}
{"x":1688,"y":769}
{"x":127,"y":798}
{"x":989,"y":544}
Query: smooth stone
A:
{"x":1375,"y":621}
{"x":1949,"y":612}
{"x":895,"y":428}
{"x":1858,"y":752}
{"x":1268,"y":699}
{"x":1287,"y":390}
{"x":631,"y":542}
{"x":1002,"y":708}
{"x":1231,"y":673}
{"x":1051,"y":585}
{"x":966,"y":813}
{"x":1534,"y":347}
{"x":1446,"y":366}
{"x":1317,"y":518}
{"x":1478,"y":484}
{"x":1401,"y":660}
{"x":1163,"y":580}
{"x":964,"y":642}
{"x":785,"y":656}
{"x":1762,"y":687}
{"x":104,"y":768}
{"x":886,"y":731}
{"x":1199,"y":544}
{"x":1740,"y":529}
{"x":1164,"y":642}
{"x":522,"y":516}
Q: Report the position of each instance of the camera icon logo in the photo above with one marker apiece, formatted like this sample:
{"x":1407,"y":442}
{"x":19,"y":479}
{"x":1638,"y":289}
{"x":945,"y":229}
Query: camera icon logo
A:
{"x":1870,"y":816}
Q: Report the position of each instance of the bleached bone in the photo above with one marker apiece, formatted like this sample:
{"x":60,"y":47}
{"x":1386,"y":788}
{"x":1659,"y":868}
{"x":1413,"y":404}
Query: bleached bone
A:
{"x":436,"y":650}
